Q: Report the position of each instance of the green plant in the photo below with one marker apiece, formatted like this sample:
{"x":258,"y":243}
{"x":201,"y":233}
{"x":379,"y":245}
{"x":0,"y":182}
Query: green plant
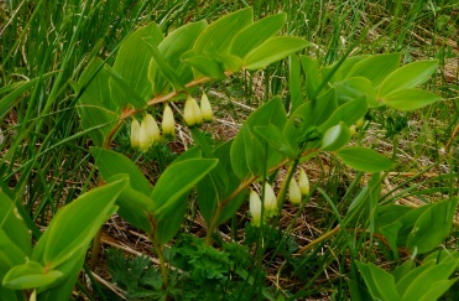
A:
{"x":50,"y":268}
{"x":326,"y":102}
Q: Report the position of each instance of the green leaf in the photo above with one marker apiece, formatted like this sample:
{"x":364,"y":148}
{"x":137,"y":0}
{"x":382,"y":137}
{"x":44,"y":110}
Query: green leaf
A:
{"x":364,"y":159}
{"x":410,"y":99}
{"x":63,"y":287}
{"x":402,"y":270}
{"x":408,"y":220}
{"x":172,"y":48}
{"x":427,"y":280}
{"x":407,"y":77}
{"x":111,"y":163}
{"x":171,"y":219}
{"x":170,"y":190}
{"x":273,"y":50}
{"x":135,"y":207}
{"x":336,"y":137}
{"x":390,"y":232}
{"x":311,"y":113}
{"x":348,"y":113}
{"x":380,"y":283}
{"x":134,"y":57}
{"x":207,"y":66}
{"x":13,"y":225}
{"x":376,"y":68}
{"x":344,"y":69}
{"x":29,"y":276}
{"x":217,"y":37}
{"x":313,"y":74}
{"x":95,"y":107}
{"x":353,"y":88}
{"x":438,"y":290}
{"x":276,"y":140}
{"x":10,"y":254}
{"x":410,"y":276}
{"x":177,"y":180}
{"x":255,"y":34}
{"x":121,"y":93}
{"x":294,"y":83}
{"x":432,"y":227}
{"x":238,"y":154}
{"x":77,"y":223}
{"x":162,"y":65}
{"x":254,"y":153}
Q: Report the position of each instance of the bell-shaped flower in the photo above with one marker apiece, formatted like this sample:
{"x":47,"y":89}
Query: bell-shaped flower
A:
{"x":192,"y":113}
{"x":206,"y":109}
{"x":255,"y":208}
{"x":270,"y":201}
{"x":135,"y":134}
{"x":294,"y":192}
{"x":168,"y":124}
{"x":149,"y":133}
{"x":303,"y":182}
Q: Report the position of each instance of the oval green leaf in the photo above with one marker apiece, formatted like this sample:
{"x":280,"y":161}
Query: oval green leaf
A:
{"x":364,"y":159}
{"x":407,"y":77}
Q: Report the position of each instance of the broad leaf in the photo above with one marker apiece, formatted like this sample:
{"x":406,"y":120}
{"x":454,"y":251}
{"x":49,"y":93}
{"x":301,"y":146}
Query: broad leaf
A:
{"x":313,"y":74}
{"x":238,"y":154}
{"x":273,"y":50}
{"x":111,"y":163}
{"x":170,"y":193}
{"x":432,"y":227}
{"x":172,"y":48}
{"x":353,"y":88}
{"x":376,"y":68}
{"x":29,"y":276}
{"x":407,"y":77}
{"x":364,"y":159}
{"x":311,"y":113}
{"x":134,"y":57}
{"x":348,"y":113}
{"x":162,"y":65}
{"x":427,"y":280}
{"x":217,"y":37}
{"x":255,"y":34}
{"x":73,"y":227}
{"x":95,"y":107}
{"x":336,"y":137}
{"x":410,"y":99}
{"x":276,"y":140}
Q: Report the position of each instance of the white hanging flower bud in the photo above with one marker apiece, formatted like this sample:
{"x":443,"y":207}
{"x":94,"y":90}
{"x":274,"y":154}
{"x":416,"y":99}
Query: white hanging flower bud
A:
{"x":303,"y":183}
{"x":149,"y":133}
{"x":192,"y":112}
{"x":360,"y":123}
{"x":206,"y":108}
{"x":255,"y":208}
{"x":197,"y":113}
{"x":168,"y":124}
{"x":353,"y":129}
{"x":270,"y":201}
{"x":294,"y":192}
{"x":135,"y":133}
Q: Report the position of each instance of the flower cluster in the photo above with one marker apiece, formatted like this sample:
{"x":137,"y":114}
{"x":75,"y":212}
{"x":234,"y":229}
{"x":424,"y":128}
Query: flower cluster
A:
{"x":195,"y":115}
{"x":297,"y":191}
{"x":146,"y":133}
